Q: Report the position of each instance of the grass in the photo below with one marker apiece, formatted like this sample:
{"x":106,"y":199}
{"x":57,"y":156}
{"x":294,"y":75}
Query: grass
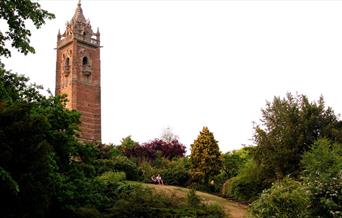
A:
{"x":231,"y":209}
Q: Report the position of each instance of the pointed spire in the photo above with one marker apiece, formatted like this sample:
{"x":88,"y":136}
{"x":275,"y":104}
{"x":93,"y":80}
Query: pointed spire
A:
{"x":78,"y":16}
{"x":59,"y":35}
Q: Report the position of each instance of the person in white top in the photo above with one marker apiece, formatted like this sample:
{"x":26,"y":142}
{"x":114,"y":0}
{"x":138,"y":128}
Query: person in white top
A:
{"x":159,"y":180}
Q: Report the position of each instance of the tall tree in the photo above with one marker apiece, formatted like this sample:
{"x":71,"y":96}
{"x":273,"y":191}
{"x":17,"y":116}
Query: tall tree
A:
{"x":288,"y":127}
{"x":205,"y":158}
{"x":36,"y":139}
{"x":16,"y":13}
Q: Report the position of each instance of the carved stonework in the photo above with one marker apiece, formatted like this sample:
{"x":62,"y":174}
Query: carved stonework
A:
{"x":79,"y":28}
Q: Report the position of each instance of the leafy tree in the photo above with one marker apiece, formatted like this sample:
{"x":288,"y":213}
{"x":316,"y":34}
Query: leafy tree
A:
{"x":167,"y":150}
{"x":289,"y":126}
{"x":36,"y":142}
{"x":16,"y":13}
{"x":25,"y":158}
{"x":323,"y":176}
{"x":234,"y":160}
{"x":150,"y":151}
{"x":205,"y":158}
{"x":127,"y":143}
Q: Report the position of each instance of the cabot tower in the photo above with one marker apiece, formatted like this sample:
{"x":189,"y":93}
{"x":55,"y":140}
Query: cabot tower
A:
{"x":78,"y":73}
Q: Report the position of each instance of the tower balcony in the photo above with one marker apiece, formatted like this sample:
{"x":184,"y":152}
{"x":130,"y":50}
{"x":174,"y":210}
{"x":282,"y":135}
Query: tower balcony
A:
{"x":86,"y":70}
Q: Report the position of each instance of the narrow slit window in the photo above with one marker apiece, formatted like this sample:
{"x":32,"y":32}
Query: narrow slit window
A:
{"x":67,"y":61}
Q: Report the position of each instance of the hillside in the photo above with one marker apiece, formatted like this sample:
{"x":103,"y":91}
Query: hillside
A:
{"x":232,"y":209}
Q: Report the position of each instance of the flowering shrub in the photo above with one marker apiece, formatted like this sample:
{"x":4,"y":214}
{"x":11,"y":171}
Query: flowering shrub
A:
{"x":323,"y":175}
{"x":287,"y":198}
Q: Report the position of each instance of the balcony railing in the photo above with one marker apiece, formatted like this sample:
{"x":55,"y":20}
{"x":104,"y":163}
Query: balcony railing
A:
{"x":86,"y":69}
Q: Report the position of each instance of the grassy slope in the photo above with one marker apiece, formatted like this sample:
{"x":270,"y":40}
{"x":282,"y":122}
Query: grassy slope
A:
{"x":233,"y":209}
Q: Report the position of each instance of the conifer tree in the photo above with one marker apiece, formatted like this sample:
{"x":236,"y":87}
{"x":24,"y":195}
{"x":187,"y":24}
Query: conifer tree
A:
{"x":205,"y":159}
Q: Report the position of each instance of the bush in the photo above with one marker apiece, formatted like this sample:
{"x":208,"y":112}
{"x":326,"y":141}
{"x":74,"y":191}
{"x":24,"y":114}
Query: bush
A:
{"x":247,"y":185}
{"x":192,"y":199}
{"x":287,"y":198}
{"x":323,"y":175}
{"x":147,"y":171}
{"x":175,"y":172}
{"x":234,"y":160}
{"x":119,"y":163}
{"x":111,"y":178}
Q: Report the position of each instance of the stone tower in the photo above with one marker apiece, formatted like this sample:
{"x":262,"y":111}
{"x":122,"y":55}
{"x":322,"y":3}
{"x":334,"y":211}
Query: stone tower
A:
{"x":78,"y":73}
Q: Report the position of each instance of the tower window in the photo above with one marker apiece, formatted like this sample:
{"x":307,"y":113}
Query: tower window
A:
{"x":85,"y":61}
{"x":67,"y":66}
{"x":67,"y":61}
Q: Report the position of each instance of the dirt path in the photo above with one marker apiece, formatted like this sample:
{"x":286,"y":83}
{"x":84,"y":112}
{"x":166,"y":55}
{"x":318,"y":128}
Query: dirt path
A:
{"x":233,"y":209}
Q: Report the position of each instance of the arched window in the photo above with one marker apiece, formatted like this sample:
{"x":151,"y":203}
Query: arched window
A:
{"x":67,"y":61}
{"x":85,"y":61}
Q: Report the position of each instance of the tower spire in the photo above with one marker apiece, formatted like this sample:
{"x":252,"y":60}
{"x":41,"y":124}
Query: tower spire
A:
{"x":78,"y":16}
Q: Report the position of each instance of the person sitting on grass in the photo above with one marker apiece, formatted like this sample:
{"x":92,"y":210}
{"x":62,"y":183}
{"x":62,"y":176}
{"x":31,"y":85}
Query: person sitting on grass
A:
{"x":154,"y":179}
{"x":159,"y":180}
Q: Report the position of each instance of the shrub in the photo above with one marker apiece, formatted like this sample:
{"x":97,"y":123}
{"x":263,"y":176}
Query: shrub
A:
{"x":175,"y":172}
{"x":323,"y":175}
{"x":192,"y":199}
{"x":111,"y":178}
{"x":147,"y":171}
{"x":247,"y":185}
{"x":234,"y":160}
{"x":119,"y":163}
{"x":287,"y":198}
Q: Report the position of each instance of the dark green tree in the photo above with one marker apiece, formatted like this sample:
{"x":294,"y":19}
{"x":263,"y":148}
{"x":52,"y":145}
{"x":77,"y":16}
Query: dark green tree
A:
{"x":17,"y":13}
{"x":25,"y":158}
{"x":205,"y":158}
{"x":288,"y":128}
{"x":36,"y":143}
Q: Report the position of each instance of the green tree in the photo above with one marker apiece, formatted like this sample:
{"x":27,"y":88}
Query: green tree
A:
{"x":36,"y":143}
{"x":205,"y":158}
{"x":25,"y":158}
{"x":16,"y":13}
{"x":234,"y":160}
{"x":127,"y":143}
{"x":289,"y":127}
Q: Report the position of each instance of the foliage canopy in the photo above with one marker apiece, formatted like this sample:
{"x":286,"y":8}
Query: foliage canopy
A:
{"x":289,"y":127}
{"x":16,"y":13}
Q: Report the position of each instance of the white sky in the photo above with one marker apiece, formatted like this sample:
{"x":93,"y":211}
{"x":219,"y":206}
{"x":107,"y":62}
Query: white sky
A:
{"x":189,"y":64}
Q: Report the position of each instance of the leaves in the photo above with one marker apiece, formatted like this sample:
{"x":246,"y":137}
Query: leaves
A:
{"x":288,"y":127}
{"x":17,"y":13}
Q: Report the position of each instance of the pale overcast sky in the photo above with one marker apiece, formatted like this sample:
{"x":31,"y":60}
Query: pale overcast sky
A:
{"x":189,"y":64}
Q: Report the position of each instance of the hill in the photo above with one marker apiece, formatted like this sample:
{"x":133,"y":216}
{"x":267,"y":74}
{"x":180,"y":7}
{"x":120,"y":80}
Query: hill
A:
{"x":232,"y":209}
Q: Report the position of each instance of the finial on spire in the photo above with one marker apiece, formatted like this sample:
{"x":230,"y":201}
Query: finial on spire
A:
{"x":59,"y":35}
{"x":79,"y":3}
